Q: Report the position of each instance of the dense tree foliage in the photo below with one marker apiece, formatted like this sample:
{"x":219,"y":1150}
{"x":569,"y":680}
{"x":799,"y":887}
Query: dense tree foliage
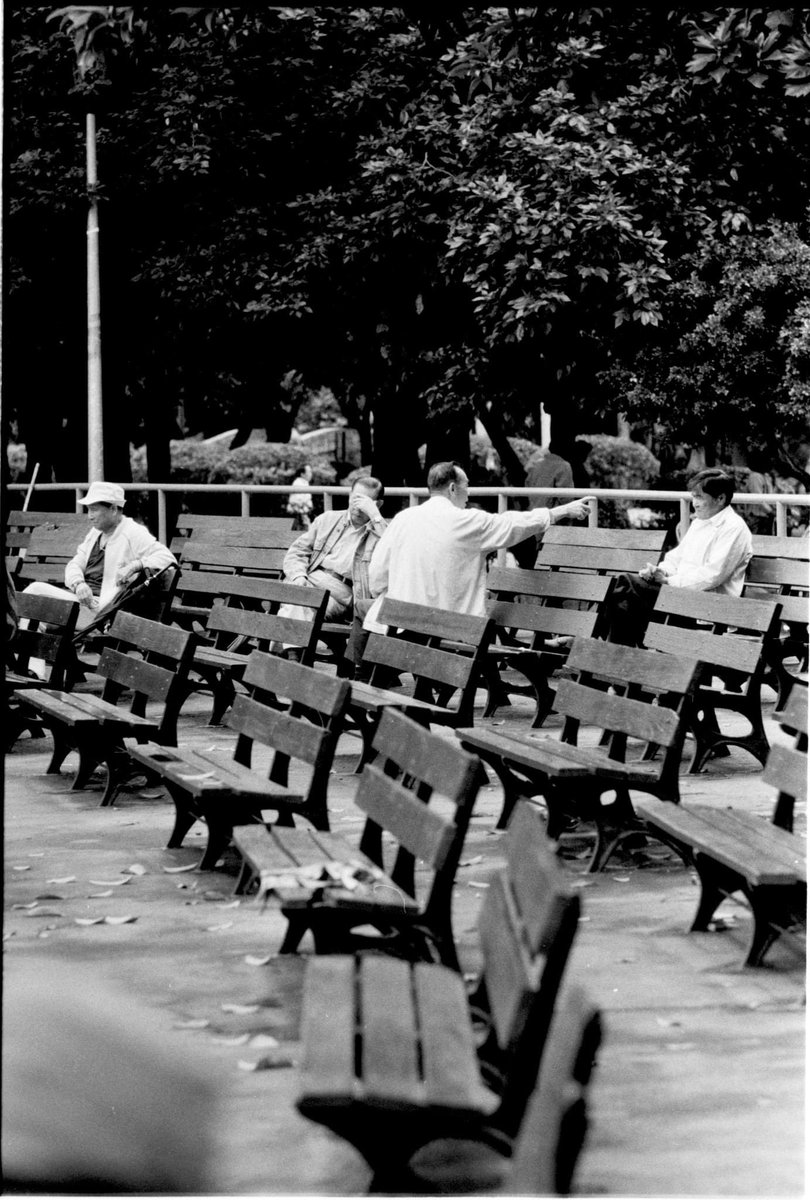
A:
{"x":436,"y":216}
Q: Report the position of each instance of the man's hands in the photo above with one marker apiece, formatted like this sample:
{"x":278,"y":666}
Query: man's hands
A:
{"x":652,"y":574}
{"x":578,"y":510}
{"x":362,"y":505}
{"x":84,"y":594}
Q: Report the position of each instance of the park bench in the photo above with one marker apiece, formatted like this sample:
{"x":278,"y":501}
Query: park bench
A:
{"x":412,"y":767}
{"x":396,"y":1054}
{"x":537,"y":614}
{"x":729,"y":635}
{"x":20,"y":524}
{"x":444,"y":680}
{"x":226,"y":793}
{"x":198,"y":590}
{"x":599,"y":551}
{"x":779,"y":569}
{"x":636,"y":700}
{"x":45,"y":632}
{"x":552,"y":1133}
{"x":234,"y":632}
{"x":200,"y":555}
{"x":734,"y":851}
{"x":150,"y":662}
{"x":269,"y":533}
{"x":48,"y":553}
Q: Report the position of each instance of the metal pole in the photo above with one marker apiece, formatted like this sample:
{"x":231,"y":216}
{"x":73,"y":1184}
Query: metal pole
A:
{"x":95,"y":423}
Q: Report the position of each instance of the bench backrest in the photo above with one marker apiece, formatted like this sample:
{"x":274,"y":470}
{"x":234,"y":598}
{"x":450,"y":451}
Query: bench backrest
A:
{"x":553,"y":1131}
{"x":411,"y":768}
{"x":268,"y":532}
{"x":298,"y":713}
{"x":231,"y":626}
{"x":20,"y":525}
{"x":797,"y":548}
{"x":645,"y":703}
{"x":547,"y":603}
{"x":785,"y":578}
{"x":600,"y":551}
{"x":46,"y":628}
{"x":48,"y":553}
{"x":696,"y":624}
{"x":197,"y":591}
{"x":786,"y":768}
{"x":240,"y":560}
{"x":150,"y":661}
{"x":526,"y":927}
{"x":413,"y":644}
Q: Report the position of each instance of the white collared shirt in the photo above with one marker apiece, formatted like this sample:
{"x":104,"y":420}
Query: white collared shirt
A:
{"x":712,"y":556}
{"x":436,"y":553}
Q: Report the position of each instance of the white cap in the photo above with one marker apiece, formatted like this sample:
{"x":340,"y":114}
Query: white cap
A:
{"x":105,"y":493}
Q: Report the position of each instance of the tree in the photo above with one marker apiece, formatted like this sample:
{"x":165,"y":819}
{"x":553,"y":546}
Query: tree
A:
{"x":435,"y":216}
{"x":729,"y":368}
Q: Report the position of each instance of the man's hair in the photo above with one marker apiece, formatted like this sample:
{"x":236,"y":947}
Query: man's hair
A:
{"x":372,"y":485}
{"x":714,"y":482}
{"x":442,"y":474}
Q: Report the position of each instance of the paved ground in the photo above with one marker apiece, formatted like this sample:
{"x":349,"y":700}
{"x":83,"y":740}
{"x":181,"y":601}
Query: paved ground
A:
{"x":700,"y":1083}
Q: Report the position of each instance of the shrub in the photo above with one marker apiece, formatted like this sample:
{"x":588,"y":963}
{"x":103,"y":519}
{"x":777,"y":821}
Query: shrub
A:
{"x":615,"y":462}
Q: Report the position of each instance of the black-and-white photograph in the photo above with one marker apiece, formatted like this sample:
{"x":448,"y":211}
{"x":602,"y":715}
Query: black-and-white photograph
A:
{"x":406,"y":512}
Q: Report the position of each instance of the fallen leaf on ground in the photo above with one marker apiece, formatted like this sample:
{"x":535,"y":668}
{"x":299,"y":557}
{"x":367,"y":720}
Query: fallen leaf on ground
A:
{"x":89,"y":920}
{"x":233,"y":904}
{"x":63,"y":879}
{"x":135,"y":869}
{"x":476,"y":883}
{"x":177,"y":870}
{"x":192,"y":1023}
{"x":110,"y":882}
{"x":241,"y":1039}
{"x":620,"y":878}
{"x":254,"y":960}
{"x":265,"y":1064}
{"x":100,"y":895}
{"x":667,"y":1022}
{"x":33,"y":904}
{"x":470,"y":862}
{"x":242,"y":1010}
{"x":150,"y":793}
{"x":217,"y":928}
{"x":36,"y":854}
{"x":24,"y":867}
{"x":681,"y":1045}
{"x":264,"y":1041}
{"x":50,"y":896}
{"x":43,"y":912}
{"x":119,"y":920}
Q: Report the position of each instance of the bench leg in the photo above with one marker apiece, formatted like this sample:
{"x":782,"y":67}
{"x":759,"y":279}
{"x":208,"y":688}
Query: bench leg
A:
{"x":497,"y":693}
{"x":716,"y":884}
{"x":62,"y":747}
{"x":298,"y":923}
{"x":184,"y":817}
{"x":223,"y":693}
{"x":219,"y":839}
{"x":774,"y":909}
{"x":119,"y":767}
{"x":614,"y":822}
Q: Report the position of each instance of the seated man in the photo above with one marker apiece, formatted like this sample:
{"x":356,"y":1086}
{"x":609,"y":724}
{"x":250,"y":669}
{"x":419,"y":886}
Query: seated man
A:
{"x":712,"y":557}
{"x":335,"y":551}
{"x":114,"y":551}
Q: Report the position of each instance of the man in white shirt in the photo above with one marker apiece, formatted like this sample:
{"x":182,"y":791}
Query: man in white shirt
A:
{"x":712,"y":557}
{"x":436,"y":553}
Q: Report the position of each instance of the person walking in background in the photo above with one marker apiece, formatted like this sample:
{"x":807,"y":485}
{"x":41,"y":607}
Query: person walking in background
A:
{"x":435,"y":553}
{"x":712,"y":556}
{"x":299,"y":501}
{"x":548,"y":469}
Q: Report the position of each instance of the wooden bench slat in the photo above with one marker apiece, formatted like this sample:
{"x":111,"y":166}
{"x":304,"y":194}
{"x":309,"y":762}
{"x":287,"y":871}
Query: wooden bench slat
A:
{"x":451,"y":1075}
{"x":389,"y":1049}
{"x":328,"y":1029}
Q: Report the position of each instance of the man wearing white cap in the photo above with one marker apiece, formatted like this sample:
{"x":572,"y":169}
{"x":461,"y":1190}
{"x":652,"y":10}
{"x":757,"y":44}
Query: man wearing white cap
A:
{"x":114,"y":551}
